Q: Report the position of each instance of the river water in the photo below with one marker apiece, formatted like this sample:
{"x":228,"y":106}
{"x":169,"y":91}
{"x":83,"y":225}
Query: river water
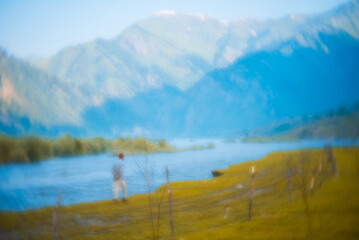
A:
{"x":88,"y":178}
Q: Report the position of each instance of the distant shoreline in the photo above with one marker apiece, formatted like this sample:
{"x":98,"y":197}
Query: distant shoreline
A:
{"x":270,"y":139}
{"x":33,"y":149}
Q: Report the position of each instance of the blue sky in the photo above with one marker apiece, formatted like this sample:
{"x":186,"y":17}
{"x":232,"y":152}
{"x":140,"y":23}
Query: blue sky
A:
{"x":41,"y":28}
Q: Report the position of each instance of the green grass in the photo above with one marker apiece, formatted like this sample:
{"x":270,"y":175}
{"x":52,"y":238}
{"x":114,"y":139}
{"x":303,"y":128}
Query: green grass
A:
{"x":33,"y":149}
{"x":199,"y":207}
{"x":140,"y":146}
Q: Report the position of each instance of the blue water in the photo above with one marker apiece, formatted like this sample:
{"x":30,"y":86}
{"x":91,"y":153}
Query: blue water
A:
{"x":88,"y":178}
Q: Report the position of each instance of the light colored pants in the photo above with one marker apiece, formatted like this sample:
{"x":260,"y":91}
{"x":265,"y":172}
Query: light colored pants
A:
{"x":117,"y":185}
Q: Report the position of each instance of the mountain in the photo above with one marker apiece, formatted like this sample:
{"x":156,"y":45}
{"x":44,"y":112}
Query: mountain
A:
{"x":168,"y":48}
{"x":27,"y":91}
{"x":262,"y":88}
{"x":184,"y":75}
{"x":177,"y":50}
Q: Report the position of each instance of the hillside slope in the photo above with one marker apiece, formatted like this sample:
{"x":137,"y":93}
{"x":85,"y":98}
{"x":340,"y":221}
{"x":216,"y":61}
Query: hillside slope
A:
{"x":342,"y":123}
{"x":28,"y":92}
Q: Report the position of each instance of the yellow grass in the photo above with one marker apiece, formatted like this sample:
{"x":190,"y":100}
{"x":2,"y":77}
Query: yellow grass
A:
{"x":199,"y":207}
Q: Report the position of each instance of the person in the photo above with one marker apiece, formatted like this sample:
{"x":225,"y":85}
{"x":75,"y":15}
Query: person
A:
{"x":119,"y":178}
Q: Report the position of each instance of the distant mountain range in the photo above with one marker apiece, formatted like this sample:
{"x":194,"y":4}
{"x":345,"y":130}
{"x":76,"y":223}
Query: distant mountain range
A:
{"x":342,"y":123}
{"x":182,"y":75}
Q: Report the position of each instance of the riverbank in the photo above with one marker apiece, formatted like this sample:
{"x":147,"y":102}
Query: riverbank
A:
{"x":34,"y":149}
{"x":218,"y":208}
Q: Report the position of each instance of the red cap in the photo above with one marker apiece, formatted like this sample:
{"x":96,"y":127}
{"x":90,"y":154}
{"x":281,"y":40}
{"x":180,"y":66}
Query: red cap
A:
{"x":120,"y":155}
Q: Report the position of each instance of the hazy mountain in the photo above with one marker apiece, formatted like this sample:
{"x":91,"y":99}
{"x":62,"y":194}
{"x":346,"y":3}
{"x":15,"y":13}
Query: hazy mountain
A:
{"x":168,"y":48}
{"x":177,"y":49}
{"x":32,"y":93}
{"x":269,"y":86}
{"x":263,"y":88}
{"x":246,"y":36}
{"x":177,"y":74}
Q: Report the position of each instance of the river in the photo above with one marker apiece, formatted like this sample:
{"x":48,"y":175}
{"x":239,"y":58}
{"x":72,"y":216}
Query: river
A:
{"x":88,"y":178}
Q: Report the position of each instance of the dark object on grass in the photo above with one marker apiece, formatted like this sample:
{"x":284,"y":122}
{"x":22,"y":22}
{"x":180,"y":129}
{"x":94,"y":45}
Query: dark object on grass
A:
{"x":331,"y":160}
{"x":217,"y":173}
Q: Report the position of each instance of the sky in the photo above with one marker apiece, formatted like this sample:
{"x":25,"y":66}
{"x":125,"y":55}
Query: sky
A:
{"x":40,"y":28}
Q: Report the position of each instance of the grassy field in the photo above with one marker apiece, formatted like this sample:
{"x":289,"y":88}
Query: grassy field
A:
{"x":218,"y":208}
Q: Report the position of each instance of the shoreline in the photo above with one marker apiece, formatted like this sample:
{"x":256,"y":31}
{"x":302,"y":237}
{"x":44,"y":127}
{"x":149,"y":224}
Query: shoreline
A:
{"x":214,"y":174}
{"x":33,"y":149}
{"x":213,"y":208}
